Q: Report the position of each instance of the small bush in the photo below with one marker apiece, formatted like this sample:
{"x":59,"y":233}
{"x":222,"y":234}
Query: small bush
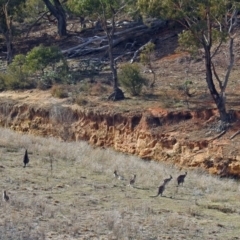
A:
{"x":13,"y":81}
{"x":2,"y":82}
{"x":40,"y":57}
{"x":81,"y":101}
{"x":44,"y":84}
{"x":59,"y":91}
{"x":16,"y":76}
{"x":85,"y":87}
{"x":98,"y":89}
{"x":131,"y":79}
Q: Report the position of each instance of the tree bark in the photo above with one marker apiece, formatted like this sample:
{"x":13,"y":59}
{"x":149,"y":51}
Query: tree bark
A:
{"x":58,"y":12}
{"x":117,"y":92}
{"x":219,"y":99}
{"x":7,"y":33}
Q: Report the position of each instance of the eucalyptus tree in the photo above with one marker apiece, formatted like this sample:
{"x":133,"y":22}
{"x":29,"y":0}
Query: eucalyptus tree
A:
{"x":8,"y":13}
{"x":208,"y":24}
{"x":57,"y":10}
{"x":103,"y":10}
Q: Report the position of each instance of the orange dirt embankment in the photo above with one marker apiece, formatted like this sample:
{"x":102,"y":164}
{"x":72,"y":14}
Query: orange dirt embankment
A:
{"x":183,"y":138}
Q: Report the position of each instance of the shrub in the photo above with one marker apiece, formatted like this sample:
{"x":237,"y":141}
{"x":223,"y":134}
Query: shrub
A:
{"x":98,"y":89}
{"x":85,"y":87}
{"x":2,"y":82}
{"x":24,"y":70}
{"x":131,"y":79}
{"x":40,"y":57}
{"x":59,"y":91}
{"x":81,"y":101}
{"x":16,"y":76}
{"x":13,"y":81}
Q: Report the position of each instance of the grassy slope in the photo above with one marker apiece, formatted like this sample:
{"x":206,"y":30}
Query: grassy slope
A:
{"x":80,"y":198}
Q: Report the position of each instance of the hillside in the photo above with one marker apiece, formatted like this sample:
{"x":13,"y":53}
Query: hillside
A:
{"x":163,"y":124}
{"x":68,"y":191}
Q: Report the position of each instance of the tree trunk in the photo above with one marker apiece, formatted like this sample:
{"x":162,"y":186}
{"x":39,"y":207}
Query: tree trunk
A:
{"x":58,"y":12}
{"x":117,"y":92}
{"x":219,"y":99}
{"x":8,"y":39}
{"x":112,"y":64}
{"x":7,"y":33}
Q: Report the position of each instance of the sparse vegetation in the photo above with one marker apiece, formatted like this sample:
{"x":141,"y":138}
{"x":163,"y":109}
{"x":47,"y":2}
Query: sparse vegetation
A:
{"x":69,"y":191}
{"x":81,"y":100}
{"x":59,"y":91}
{"x":131,"y":79}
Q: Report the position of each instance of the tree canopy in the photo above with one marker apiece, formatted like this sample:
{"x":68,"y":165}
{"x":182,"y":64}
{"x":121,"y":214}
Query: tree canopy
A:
{"x":207,"y":24}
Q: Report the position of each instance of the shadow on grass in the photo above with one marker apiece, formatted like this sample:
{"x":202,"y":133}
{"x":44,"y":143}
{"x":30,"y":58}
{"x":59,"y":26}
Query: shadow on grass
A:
{"x":170,"y":197}
{"x":141,"y":188}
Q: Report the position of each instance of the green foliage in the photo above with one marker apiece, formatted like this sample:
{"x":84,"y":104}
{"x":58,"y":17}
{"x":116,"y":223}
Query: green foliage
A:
{"x":30,"y":9}
{"x":13,"y":11}
{"x":51,"y":63}
{"x":131,"y":79}
{"x":2,"y":82}
{"x":151,"y":8}
{"x":145,"y":56}
{"x":15,"y":80}
{"x":23,"y":72}
{"x":202,"y":19}
{"x":16,"y":76}
{"x":40,"y":57}
{"x":18,"y":64}
{"x":95,"y":8}
{"x":188,"y":42}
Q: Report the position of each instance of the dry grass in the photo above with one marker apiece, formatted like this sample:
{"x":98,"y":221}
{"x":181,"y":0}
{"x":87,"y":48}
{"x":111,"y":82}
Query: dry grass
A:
{"x":78,"y":197}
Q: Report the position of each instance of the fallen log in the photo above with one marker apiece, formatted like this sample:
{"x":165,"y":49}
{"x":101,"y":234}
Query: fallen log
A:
{"x":134,"y":32}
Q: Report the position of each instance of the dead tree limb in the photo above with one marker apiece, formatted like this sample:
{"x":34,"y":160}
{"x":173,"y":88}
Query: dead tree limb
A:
{"x":235,"y":134}
{"x":121,"y":56}
{"x":30,"y":28}
{"x":219,"y":135}
{"x":143,"y":46}
{"x":139,"y":50}
{"x":118,"y":37}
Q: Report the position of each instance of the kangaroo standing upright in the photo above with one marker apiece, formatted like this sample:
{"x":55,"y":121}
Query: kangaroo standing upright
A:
{"x":25,"y":158}
{"x":5,"y":196}
{"x":181,"y":178}
{"x":132,"y":180}
{"x":167,"y":180}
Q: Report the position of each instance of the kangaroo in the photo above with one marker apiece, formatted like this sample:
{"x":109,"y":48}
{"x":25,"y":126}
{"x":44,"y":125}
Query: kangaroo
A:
{"x":132,"y":180}
{"x":116,"y":175}
{"x":25,"y":158}
{"x":161,"y":189}
{"x":180,"y":178}
{"x":167,"y":180}
{"x":5,"y":196}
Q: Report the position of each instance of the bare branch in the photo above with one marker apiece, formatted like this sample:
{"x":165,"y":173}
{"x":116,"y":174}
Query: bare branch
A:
{"x":216,"y":76}
{"x":218,"y":136}
{"x":30,"y":28}
{"x":233,"y":21}
{"x":235,"y":134}
{"x":139,"y":50}
{"x":231,"y":62}
{"x":217,"y":48}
